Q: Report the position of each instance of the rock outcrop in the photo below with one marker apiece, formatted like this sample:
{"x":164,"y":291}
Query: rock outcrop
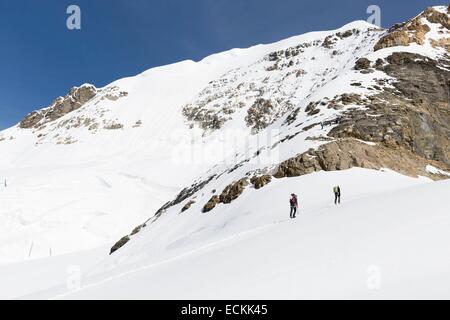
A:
{"x":415,"y":116}
{"x":211,"y":203}
{"x":348,"y":153}
{"x":187,"y":205}
{"x":414,"y":30}
{"x":233,"y":191}
{"x":260,"y":114}
{"x":260,"y":181}
{"x":362,"y":64}
{"x":75,"y":99}
{"x":230,"y":193}
{"x":119,"y":244}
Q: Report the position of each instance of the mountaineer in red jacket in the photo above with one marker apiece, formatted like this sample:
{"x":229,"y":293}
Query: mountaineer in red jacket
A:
{"x":294,"y":205}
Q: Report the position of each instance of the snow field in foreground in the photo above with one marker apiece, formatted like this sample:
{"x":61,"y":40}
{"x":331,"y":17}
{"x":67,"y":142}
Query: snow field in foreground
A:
{"x":388,"y":239}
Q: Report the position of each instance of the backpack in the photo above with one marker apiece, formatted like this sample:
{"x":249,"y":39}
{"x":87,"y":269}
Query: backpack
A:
{"x":292,"y":201}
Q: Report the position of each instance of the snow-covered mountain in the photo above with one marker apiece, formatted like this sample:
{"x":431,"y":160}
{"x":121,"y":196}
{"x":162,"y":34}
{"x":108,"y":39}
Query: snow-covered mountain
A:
{"x":206,"y":153}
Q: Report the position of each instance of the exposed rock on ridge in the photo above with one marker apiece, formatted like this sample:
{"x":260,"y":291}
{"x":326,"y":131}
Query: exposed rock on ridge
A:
{"x":75,"y":99}
{"x":415,"y":30}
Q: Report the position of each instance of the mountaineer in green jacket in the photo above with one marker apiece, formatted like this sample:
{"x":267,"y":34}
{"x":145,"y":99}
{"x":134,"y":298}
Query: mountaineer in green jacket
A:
{"x":337,"y":194}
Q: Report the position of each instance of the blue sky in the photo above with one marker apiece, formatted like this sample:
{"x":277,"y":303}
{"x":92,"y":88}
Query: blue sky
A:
{"x":41,"y":59}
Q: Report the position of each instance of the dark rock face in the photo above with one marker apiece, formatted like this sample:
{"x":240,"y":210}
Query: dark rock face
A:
{"x":416,"y":116}
{"x":230,"y":193}
{"x":312,"y":108}
{"x":348,"y":153}
{"x":428,"y":86}
{"x":437,"y":17}
{"x":211,"y":203}
{"x":75,"y":99}
{"x":114,"y":126}
{"x":297,"y":166}
{"x":419,"y":78}
{"x":292,"y":116}
{"x":259,"y":114}
{"x":31,"y":120}
{"x":207,"y":119}
{"x":233,"y":191}
{"x":347,"y":33}
{"x":328,"y":42}
{"x":187,"y":205}
{"x":348,"y":98}
{"x":184,"y":194}
{"x":260,"y":181}
{"x":119,"y":244}
{"x":414,"y":30}
{"x":136,"y":230}
{"x":331,"y":39}
{"x":362,"y":64}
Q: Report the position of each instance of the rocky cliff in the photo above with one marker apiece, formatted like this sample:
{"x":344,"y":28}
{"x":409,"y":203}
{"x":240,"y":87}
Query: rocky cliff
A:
{"x":75,"y":99}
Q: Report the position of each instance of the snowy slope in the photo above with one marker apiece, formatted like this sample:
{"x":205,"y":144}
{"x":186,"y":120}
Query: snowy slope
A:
{"x":388,"y":239}
{"x":27,"y":277}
